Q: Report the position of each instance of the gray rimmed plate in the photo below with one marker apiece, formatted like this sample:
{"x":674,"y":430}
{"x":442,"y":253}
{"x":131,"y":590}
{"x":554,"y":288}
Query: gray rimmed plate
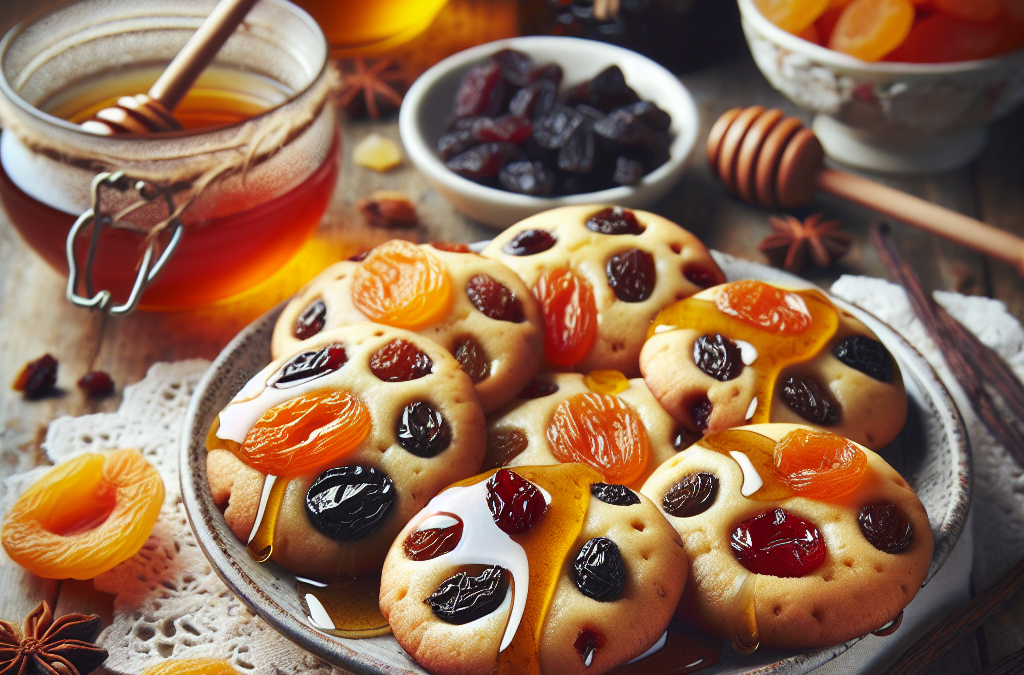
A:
{"x":931,"y":453}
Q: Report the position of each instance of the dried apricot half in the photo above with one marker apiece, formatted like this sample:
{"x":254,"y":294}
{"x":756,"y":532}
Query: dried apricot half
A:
{"x":400,"y":284}
{"x":85,"y":516}
{"x":570,"y":316}
{"x":819,"y":464}
{"x":759,"y":304}
{"x":191,"y":667}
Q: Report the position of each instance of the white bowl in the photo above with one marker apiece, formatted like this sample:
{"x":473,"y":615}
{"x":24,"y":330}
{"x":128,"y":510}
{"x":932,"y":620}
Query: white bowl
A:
{"x":429,"y":103}
{"x":894,"y":117}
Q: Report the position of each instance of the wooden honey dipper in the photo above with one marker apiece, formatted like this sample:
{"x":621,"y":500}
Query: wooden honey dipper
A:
{"x":773,"y":161}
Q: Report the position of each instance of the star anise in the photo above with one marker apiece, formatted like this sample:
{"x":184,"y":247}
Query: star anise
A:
{"x":48,"y":646}
{"x":791,"y":242}
{"x":372,"y":83}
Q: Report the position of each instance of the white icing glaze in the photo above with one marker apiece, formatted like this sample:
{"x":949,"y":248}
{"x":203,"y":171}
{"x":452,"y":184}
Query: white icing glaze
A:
{"x":268,"y":483}
{"x":751,"y":408}
{"x":663,"y":328}
{"x":318,"y":616}
{"x":748,"y":353}
{"x":438,"y":521}
{"x":590,"y":658}
{"x":752,"y":481}
{"x":655,"y":648}
{"x":796,"y":303}
{"x":311,"y":582}
{"x":245,"y":409}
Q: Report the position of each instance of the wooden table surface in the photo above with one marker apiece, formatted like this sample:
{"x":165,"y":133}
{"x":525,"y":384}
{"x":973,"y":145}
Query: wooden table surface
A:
{"x":34,"y":317}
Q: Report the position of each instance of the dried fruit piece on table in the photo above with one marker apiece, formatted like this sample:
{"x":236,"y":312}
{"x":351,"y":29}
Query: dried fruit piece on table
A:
{"x":515,"y":503}
{"x":367,"y":88}
{"x":819,"y":465}
{"x":792,"y":15}
{"x":85,"y":516}
{"x":48,"y":644}
{"x":779,"y":544}
{"x":870,"y":29}
{"x":494,"y":299}
{"x":402,"y":285}
{"x":37,"y":378}
{"x":96,"y":384}
{"x":400,"y":361}
{"x":462,"y":598}
{"x":570,"y":316}
{"x":388,"y":208}
{"x":791,"y":242}
{"x":191,"y":667}
{"x":765,"y":306}
{"x":377,"y":152}
{"x":598,"y":570}
{"x":350,"y":503}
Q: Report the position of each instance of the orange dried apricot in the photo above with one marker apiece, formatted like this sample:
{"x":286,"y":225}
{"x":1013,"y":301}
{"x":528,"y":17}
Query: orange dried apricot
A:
{"x":870,"y":29}
{"x":191,"y":667}
{"x":85,"y":516}
{"x":940,"y":38}
{"x":570,"y":316}
{"x":606,"y":381}
{"x":791,"y":15}
{"x":306,"y":434}
{"x":602,"y":431}
{"x":400,"y":284}
{"x":759,"y":304}
{"x":969,"y":10}
{"x":819,"y":464}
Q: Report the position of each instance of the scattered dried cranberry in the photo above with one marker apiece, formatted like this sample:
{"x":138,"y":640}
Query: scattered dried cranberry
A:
{"x":700,"y":410}
{"x":423,"y":431}
{"x":472,"y":359}
{"x":480,"y":92}
{"x":527,"y":178}
{"x":691,"y":496}
{"x":494,"y":299}
{"x":866,"y":355}
{"x":433,"y":542}
{"x":96,"y":384}
{"x":451,"y":248}
{"x":886,"y":527}
{"x":400,"y":361}
{"x":529,"y":242}
{"x":482,"y":161}
{"x":538,"y":388}
{"x":718,"y":356}
{"x":37,"y":378}
{"x":587,"y":642}
{"x":515,"y":503}
{"x":308,"y":365}
{"x":632,"y":275}
{"x":461,"y":598}
{"x":779,"y":544}
{"x":311,"y":321}
{"x":616,"y":495}
{"x":701,"y":276}
{"x":598,"y":570}
{"x":808,"y":398}
{"x":508,"y":128}
{"x":615,"y":220}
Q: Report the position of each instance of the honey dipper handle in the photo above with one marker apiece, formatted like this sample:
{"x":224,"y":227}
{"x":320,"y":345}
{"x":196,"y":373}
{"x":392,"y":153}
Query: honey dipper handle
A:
{"x":198,"y":52}
{"x":925,"y":215}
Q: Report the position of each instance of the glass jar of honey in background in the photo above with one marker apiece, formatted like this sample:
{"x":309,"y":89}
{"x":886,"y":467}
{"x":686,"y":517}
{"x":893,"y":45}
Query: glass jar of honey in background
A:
{"x":358,"y":27}
{"x":253,"y":170}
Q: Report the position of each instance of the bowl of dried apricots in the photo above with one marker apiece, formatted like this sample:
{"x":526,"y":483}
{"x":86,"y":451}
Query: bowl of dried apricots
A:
{"x":901,"y":86}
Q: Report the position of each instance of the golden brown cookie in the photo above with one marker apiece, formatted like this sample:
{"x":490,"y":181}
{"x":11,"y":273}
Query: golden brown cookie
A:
{"x":601,"y":274}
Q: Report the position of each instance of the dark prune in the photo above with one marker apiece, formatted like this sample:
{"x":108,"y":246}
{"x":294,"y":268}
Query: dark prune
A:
{"x":400,"y":361}
{"x":538,"y":389}
{"x":586,"y":644}
{"x":627,"y":171}
{"x":472,"y":359}
{"x":423,"y":431}
{"x":96,"y":384}
{"x":598,"y":570}
{"x":529,"y":242}
{"x":616,"y":495}
{"x":866,"y":355}
{"x":652,"y":115}
{"x":577,"y":154}
{"x":480,"y":92}
{"x":886,"y":527}
{"x":553,"y":130}
{"x":37,"y":378}
{"x":516,"y":66}
{"x":718,"y":356}
{"x":691,"y":496}
{"x":350,"y":502}
{"x":307,"y":365}
{"x":606,"y":91}
{"x":527,"y":178}
{"x":701,"y":276}
{"x":482,"y":161}
{"x":504,"y":446}
{"x":311,"y":321}
{"x":451,"y":247}
{"x":809,"y":399}
{"x":496,"y":300}
{"x":700,"y":410}
{"x":461,"y":598}
{"x":779,"y":544}
{"x":507,"y":128}
{"x":433,"y":542}
{"x":631,"y":275}
{"x":455,"y":143}
{"x":535,"y":100}
{"x":515,"y":503}
{"x":615,"y":220}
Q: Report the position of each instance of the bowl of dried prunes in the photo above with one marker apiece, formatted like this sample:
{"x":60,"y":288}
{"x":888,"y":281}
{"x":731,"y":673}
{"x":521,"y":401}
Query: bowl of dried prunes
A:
{"x":514,"y":127}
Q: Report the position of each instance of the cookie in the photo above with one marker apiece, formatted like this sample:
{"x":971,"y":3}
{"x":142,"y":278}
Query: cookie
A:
{"x":532,"y":564}
{"x":747,"y":352}
{"x":352,"y":434}
{"x":474,"y":307}
{"x":604,"y":420}
{"x":601,"y":275}
{"x":797,"y":538}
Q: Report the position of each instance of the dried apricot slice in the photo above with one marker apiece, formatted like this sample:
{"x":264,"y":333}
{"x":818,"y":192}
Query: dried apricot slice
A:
{"x":306,"y":434}
{"x":570,"y":316}
{"x":792,"y":15}
{"x":400,"y":284}
{"x":603,"y":431}
{"x":191,"y":667}
{"x":818,"y":464}
{"x":85,"y":516}
{"x":764,"y":306}
{"x":870,"y":29}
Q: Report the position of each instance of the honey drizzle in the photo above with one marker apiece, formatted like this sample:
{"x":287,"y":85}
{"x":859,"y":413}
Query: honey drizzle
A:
{"x":261,"y":542}
{"x":760,"y":450}
{"x":747,"y":638}
{"x":349,"y":608}
{"x":684,"y":652}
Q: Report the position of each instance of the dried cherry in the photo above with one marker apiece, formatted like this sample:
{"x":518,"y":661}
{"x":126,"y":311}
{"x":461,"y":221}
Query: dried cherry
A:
{"x":718,"y":356}
{"x":529,"y":242}
{"x":504,"y":446}
{"x":616,"y":495}
{"x":472,"y":359}
{"x":527,"y":178}
{"x":691,"y":495}
{"x":866,"y":355}
{"x":311,"y":321}
{"x":480,"y":92}
{"x":632,"y":275}
{"x":422,"y":430}
{"x":309,"y":365}
{"x":886,"y":527}
{"x":400,"y":361}
{"x":37,"y":378}
{"x":779,"y":544}
{"x":496,"y":300}
{"x":808,"y":398}
{"x":598,"y":570}
{"x":507,"y":128}
{"x":462,"y":598}
{"x":586,"y":644}
{"x":537,"y":388}
{"x":349,"y":503}
{"x":615,"y":220}
{"x":455,"y":143}
{"x":96,"y":384}
{"x":482,"y":161}
{"x":515,"y":503}
{"x":700,"y":410}
{"x":433,"y":542}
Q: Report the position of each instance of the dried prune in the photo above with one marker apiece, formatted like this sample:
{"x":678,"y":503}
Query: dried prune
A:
{"x":535,"y":100}
{"x":606,"y":91}
{"x":37,"y":378}
{"x":527,"y":178}
{"x":632,"y":275}
{"x":886,"y":527}
{"x":627,"y":171}
{"x":455,"y":143}
{"x":96,"y":384}
{"x":866,"y":355}
{"x":507,"y":128}
{"x":598,"y":570}
{"x":494,"y":299}
{"x":400,"y":361}
{"x":482,"y":161}
{"x":472,"y":359}
{"x":808,"y":398}
{"x":577,"y":154}
{"x":504,"y":446}
{"x":718,"y":356}
{"x":350,"y":502}
{"x":700,"y":410}
{"x":516,"y":66}
{"x":691,"y":495}
{"x":515,"y":503}
{"x":462,"y":598}
{"x":701,"y":276}
{"x":529,"y":242}
{"x":432,"y":542}
{"x":311,"y":321}
{"x":616,"y":495}
{"x":423,"y":431}
{"x":553,"y":130}
{"x":586,"y":644}
{"x":538,"y":388}
{"x":480,"y":92}
{"x":779,"y":544}
{"x":615,"y":220}
{"x":308,"y":365}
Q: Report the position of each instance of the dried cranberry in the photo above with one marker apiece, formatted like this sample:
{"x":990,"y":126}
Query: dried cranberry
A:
{"x":350,"y":502}
{"x":400,"y":361}
{"x":515,"y":503}
{"x":598,"y":570}
{"x":96,"y":384}
{"x":450,"y":247}
{"x":537,"y":388}
{"x":700,"y":275}
{"x":480,"y":92}
{"x":311,"y":321}
{"x":433,"y":542}
{"x":632,"y":275}
{"x":472,"y":359}
{"x":627,"y":171}
{"x":700,"y":410}
{"x":691,"y":495}
{"x":886,"y":527}
{"x":37,"y":378}
{"x":718,"y":356}
{"x":808,"y":398}
{"x":535,"y":100}
{"x":587,"y":642}
{"x":615,"y":220}
{"x":527,"y":178}
{"x":616,"y":495}
{"x":866,"y":355}
{"x":606,"y":91}
{"x":553,"y":130}
{"x":483,"y":161}
{"x":779,"y":544}
{"x":516,"y":66}
{"x":496,"y":300}
{"x":504,"y":446}
{"x":455,"y":143}
{"x":507,"y":128}
{"x":529,"y":242}
{"x":461,"y":598}
{"x":423,"y":431}
{"x":308,"y":365}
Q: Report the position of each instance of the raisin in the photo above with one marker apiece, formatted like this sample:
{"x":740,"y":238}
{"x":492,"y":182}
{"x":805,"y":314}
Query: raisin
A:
{"x":350,"y":502}
{"x":450,"y":247}
{"x":96,"y":384}
{"x":553,"y":130}
{"x":480,"y":92}
{"x":472,"y":359}
{"x":496,"y":300}
{"x":701,"y":276}
{"x":577,"y":153}
{"x":37,"y":378}
{"x":400,"y":361}
{"x":615,"y":220}
{"x":652,"y":115}
{"x":423,"y":431}
{"x":606,"y":91}
{"x":598,"y":570}
{"x":691,"y":495}
{"x":507,"y":128}
{"x":527,"y":178}
{"x":682,"y":439}
{"x":623,"y":128}
{"x":504,"y":446}
{"x":535,"y":100}
{"x":701,"y":412}
{"x":587,"y":642}
{"x":631,"y":275}
{"x":309,"y":365}
{"x":483,"y":161}
{"x":311,"y":321}
{"x":616,"y":495}
{"x":516,"y":67}
{"x":433,"y":542}
{"x":550,"y":72}
{"x":718,"y":356}
{"x":455,"y":143}
{"x":779,"y":544}
{"x":808,"y":398}
{"x":538,"y":388}
{"x":529,"y":242}
{"x":515,"y":503}
{"x":461,"y":598}
{"x":866,"y":355}
{"x":886,"y":527}
{"x":627,"y":171}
